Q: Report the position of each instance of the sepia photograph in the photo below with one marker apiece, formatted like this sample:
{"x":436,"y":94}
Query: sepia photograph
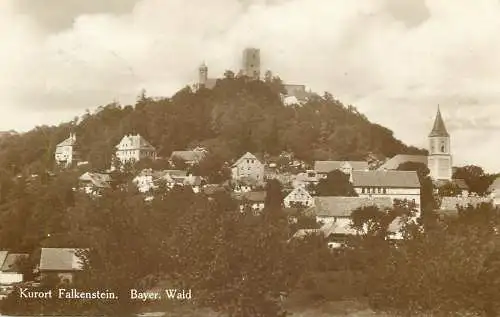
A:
{"x":250,"y":158}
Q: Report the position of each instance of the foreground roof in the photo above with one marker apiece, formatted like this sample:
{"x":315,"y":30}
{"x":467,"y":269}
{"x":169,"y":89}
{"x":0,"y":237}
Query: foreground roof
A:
{"x":337,"y":206}
{"x":60,"y":259}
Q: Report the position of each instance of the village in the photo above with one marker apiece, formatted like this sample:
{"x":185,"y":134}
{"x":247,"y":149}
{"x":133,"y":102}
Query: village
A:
{"x":379,"y":184}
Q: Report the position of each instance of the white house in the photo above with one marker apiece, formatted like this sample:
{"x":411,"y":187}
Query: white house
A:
{"x":298,"y":196}
{"x":63,"y":263}
{"x":325,"y":167}
{"x":248,"y":165}
{"x":133,"y":148}
{"x":10,"y":272}
{"x":401,"y":185}
{"x":65,"y":153}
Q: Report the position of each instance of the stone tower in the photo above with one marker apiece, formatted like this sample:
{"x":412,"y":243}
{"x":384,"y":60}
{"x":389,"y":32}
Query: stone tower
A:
{"x":251,"y":63}
{"x":202,"y":75}
{"x":439,"y":161}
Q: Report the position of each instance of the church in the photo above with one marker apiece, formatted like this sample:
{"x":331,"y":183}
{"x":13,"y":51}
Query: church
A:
{"x":439,"y":161}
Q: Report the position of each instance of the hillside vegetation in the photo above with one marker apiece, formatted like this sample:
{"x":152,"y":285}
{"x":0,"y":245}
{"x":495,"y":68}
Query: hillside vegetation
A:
{"x":238,"y":115}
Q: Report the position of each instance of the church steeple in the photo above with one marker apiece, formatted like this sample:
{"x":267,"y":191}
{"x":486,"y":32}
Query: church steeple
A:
{"x":439,"y":129}
{"x":440,"y":159}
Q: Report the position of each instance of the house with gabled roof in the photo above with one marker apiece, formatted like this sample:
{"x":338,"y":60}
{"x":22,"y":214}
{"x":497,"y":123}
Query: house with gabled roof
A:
{"x":254,"y":200}
{"x":189,"y":157}
{"x":94,"y":183}
{"x":133,"y":148}
{"x":248,"y":165}
{"x":66,"y":153}
{"x":299,"y":196}
{"x":10,"y":271}
{"x":397,"y":185}
{"x":61,"y":263}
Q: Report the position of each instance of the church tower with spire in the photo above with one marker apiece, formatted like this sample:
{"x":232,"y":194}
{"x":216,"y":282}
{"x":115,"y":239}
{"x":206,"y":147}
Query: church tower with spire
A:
{"x":439,"y":160}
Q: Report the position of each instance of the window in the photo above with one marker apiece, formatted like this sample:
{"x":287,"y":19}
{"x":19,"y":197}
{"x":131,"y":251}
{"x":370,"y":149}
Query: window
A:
{"x":379,"y":190}
{"x":248,"y":161}
{"x":363,"y":190}
{"x":442,"y":148}
{"x":385,"y":191}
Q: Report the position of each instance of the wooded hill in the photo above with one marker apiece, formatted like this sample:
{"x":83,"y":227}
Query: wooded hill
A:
{"x":236,"y":116}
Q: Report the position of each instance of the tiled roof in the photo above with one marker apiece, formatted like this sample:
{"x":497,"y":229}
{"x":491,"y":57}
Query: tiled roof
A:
{"x":70,"y":141}
{"x":341,"y":228}
{"x":3,"y":256}
{"x":336,"y":206}
{"x":189,"y":155}
{"x":301,"y":233}
{"x":328,"y":166}
{"x":439,"y":129}
{"x":253,"y":196}
{"x":246,"y":156}
{"x":210,"y":189}
{"x":135,"y":142}
{"x":394,"y":162}
{"x":299,"y":191}
{"x":97,"y":179}
{"x":10,"y":263}
{"x":59,"y":259}
{"x":450,"y":203}
{"x":389,"y":178}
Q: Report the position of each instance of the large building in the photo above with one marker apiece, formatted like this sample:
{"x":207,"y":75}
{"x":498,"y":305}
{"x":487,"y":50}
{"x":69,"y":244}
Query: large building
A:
{"x":251,"y":63}
{"x":439,"y":161}
{"x":133,"y":148}
{"x":66,"y":153}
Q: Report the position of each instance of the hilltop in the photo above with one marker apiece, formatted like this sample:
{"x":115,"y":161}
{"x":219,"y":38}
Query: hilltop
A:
{"x":236,"y":116}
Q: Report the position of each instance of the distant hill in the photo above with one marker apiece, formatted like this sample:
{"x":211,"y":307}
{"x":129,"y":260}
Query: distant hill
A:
{"x":236,"y":116}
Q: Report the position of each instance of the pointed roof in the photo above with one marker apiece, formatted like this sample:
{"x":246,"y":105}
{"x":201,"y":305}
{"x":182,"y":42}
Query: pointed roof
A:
{"x":439,"y":129}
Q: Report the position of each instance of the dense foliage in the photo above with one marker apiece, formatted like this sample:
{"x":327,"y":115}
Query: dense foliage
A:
{"x":234,"y":117}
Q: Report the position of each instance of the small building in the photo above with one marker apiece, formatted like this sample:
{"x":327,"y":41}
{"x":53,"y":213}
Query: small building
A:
{"x":10,"y":272}
{"x":61,"y":263}
{"x":248,"y":166}
{"x":94,"y":183}
{"x":253,"y":200}
{"x":66,"y":153}
{"x":189,"y":157}
{"x":133,"y":148}
{"x":400,"y":185}
{"x":245,"y":184}
{"x":299,"y":196}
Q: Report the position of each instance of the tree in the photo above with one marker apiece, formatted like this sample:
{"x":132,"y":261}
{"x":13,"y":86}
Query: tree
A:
{"x":336,"y":183}
{"x":449,"y":189}
{"x":475,"y":178}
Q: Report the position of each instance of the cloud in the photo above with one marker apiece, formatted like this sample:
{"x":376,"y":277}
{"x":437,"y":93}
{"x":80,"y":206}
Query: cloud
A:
{"x":394,"y":62}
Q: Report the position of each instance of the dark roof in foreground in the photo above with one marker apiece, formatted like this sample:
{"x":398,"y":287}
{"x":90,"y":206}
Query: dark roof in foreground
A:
{"x":337,"y":206}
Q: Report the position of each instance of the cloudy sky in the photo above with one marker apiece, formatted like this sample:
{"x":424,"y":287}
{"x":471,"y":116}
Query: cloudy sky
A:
{"x":394,"y":60}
